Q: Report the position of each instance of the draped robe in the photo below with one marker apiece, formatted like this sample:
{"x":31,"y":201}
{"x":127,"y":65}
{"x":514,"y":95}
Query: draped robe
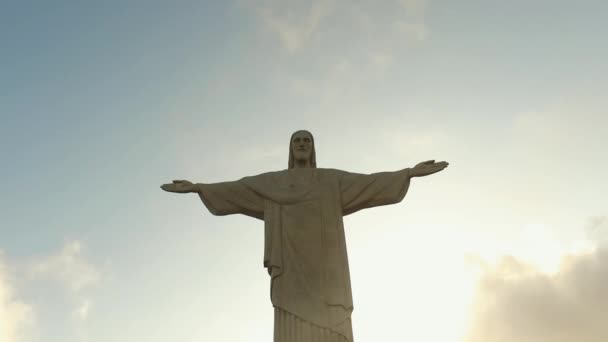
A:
{"x":304,"y":245}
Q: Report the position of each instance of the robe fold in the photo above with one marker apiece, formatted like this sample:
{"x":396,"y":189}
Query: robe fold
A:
{"x":304,"y":245}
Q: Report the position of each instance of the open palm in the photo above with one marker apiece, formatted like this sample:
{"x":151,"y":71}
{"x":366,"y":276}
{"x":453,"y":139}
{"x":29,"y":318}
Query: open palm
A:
{"x":428,"y":167}
{"x":179,"y":186}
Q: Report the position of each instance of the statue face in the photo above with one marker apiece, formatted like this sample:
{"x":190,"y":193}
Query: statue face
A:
{"x":301,"y":146}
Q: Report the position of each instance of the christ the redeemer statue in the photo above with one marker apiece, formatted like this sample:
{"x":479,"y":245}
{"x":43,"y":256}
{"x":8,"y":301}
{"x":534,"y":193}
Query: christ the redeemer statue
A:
{"x":305,"y":250}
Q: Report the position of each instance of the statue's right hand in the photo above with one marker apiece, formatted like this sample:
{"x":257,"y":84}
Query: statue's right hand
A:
{"x":179,"y":186}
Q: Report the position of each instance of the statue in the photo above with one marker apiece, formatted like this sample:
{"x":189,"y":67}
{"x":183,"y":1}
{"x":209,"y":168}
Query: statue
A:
{"x":304,"y":246}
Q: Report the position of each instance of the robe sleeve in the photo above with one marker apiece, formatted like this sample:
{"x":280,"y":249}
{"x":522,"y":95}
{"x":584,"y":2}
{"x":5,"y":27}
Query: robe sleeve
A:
{"x":236,"y":197}
{"x":360,"y":191}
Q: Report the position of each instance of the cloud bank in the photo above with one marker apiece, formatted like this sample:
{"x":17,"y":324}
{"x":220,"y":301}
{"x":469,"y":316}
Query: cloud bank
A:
{"x":518,"y":302}
{"x":16,"y":316}
{"x":69,"y":268}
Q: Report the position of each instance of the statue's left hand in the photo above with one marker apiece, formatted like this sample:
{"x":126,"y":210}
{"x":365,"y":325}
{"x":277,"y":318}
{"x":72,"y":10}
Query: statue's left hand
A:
{"x":428,"y":167}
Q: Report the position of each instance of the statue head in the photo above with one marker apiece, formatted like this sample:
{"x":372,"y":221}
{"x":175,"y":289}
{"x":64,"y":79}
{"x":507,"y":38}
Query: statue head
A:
{"x":302,"y":150}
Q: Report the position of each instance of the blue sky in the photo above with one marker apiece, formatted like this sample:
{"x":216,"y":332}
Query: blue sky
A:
{"x":101,"y":103}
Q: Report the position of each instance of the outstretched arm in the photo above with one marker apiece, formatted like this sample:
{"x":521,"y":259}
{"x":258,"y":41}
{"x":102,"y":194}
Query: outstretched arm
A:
{"x":360,"y":191}
{"x":223,"y":198}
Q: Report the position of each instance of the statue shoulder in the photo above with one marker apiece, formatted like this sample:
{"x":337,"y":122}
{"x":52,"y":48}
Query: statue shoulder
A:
{"x":330,"y":171}
{"x":265,"y":177}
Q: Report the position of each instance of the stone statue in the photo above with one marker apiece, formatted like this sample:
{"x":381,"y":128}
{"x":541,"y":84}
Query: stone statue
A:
{"x":305,"y":251}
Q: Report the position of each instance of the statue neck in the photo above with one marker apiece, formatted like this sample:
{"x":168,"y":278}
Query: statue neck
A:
{"x":302,"y":164}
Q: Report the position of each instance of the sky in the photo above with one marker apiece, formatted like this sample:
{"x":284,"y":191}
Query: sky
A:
{"x":101,"y":103}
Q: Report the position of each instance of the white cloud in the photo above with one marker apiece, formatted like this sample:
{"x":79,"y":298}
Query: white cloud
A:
{"x":518,"y":302}
{"x":597,"y":229}
{"x":307,"y":24}
{"x":332,"y":51}
{"x":382,"y":60}
{"x":69,"y":267}
{"x":294,"y":22}
{"x":413,"y":23}
{"x":71,"y":270}
{"x":82,"y":311}
{"x":16,"y":316}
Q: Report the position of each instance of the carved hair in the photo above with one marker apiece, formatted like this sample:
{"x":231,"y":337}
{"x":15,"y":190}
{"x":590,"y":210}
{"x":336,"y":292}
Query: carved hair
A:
{"x":313,"y":155}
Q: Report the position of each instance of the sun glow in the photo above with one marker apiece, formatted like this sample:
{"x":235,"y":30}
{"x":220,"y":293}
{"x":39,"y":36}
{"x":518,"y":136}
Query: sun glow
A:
{"x":421,"y":289}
